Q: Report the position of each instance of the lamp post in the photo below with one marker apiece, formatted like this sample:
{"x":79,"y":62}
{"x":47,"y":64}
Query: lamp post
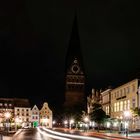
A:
{"x":86,"y":120}
{"x":65,"y":123}
{"x":126,"y":117}
{"x":17,"y":120}
{"x":71,"y":122}
{"x":7,"y":116}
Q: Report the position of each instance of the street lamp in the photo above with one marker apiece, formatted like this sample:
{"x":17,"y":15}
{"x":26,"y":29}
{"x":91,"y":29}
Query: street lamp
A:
{"x":17,"y":120}
{"x":65,"y":123}
{"x":71,"y":122}
{"x":127,"y":115}
{"x":7,"y":115}
{"x":86,"y":120}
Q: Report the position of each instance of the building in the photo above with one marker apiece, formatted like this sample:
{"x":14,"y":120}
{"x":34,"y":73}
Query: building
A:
{"x":118,"y":104}
{"x":106,"y":101}
{"x":94,"y":97}
{"x":46,"y":116}
{"x":74,"y":75}
{"x":35,"y":116}
{"x":14,"y":110}
{"x":22,"y":112}
{"x":124,"y":98}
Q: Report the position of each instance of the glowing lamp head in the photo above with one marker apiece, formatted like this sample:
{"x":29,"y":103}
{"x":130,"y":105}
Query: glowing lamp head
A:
{"x":7,"y":115}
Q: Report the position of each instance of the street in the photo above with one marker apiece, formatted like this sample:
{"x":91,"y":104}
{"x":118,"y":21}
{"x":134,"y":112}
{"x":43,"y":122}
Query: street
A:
{"x":45,"y":134}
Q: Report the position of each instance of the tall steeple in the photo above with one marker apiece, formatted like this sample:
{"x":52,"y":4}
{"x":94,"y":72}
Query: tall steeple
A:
{"x":74,"y":50}
{"x":75,"y":79}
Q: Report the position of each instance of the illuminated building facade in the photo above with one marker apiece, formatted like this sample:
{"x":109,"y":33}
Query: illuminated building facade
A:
{"x":46,"y":116}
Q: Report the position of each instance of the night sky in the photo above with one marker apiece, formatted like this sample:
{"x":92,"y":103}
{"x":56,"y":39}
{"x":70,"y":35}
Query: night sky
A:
{"x":35,"y":36}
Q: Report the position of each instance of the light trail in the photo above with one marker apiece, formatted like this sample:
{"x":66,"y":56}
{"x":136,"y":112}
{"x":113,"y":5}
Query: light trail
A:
{"x":71,"y":135}
{"x":52,"y":136}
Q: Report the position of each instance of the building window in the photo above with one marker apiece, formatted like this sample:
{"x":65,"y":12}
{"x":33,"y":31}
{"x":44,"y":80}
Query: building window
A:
{"x":128,"y":90}
{"x":121,"y":93}
{"x":117,"y":94}
{"x":36,"y":117}
{"x":27,"y":110}
{"x":117,"y":106}
{"x":124,"y":92}
{"x":125,"y":105}
{"x":17,"y":109}
{"x":133,"y":88}
{"x":27,"y":114}
{"x":128,"y":104}
{"x":33,"y":117}
{"x":5,"y":104}
{"x":10,"y":104}
{"x":133,"y":103}
{"x":0,"y":104}
{"x":121,"y":106}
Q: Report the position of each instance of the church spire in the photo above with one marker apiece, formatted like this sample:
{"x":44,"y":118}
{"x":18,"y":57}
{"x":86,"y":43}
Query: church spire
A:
{"x":74,"y":51}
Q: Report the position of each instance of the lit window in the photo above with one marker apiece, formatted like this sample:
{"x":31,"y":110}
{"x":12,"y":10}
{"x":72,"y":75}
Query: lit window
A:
{"x":10,"y":104}
{"x":117,"y":106}
{"x":5,"y":104}
{"x":128,"y":104}
{"x":121,"y":106}
{"x":0,"y":104}
{"x":125,"y":105}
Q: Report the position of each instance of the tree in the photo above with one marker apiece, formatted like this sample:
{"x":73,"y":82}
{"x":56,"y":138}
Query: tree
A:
{"x":98,"y":115}
{"x":136,"y":112}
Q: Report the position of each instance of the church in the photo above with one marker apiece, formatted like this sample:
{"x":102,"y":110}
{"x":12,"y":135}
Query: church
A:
{"x":74,"y":74}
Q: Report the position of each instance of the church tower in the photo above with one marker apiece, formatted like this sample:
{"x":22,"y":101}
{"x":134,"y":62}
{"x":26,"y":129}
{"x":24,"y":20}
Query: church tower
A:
{"x":74,"y":76}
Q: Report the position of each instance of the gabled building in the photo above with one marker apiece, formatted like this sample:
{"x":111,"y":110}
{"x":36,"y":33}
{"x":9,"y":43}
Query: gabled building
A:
{"x":94,"y":97}
{"x":46,"y":116}
{"x":35,"y":116}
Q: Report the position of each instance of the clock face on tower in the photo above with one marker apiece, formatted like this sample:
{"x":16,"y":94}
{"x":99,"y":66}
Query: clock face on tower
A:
{"x":75,"y":69}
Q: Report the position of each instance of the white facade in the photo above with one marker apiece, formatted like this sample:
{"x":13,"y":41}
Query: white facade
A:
{"x":35,"y":116}
{"x":24,"y":115}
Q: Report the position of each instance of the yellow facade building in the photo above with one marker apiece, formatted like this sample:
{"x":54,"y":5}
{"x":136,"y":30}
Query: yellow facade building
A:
{"x":123,"y":99}
{"x":119,"y":102}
